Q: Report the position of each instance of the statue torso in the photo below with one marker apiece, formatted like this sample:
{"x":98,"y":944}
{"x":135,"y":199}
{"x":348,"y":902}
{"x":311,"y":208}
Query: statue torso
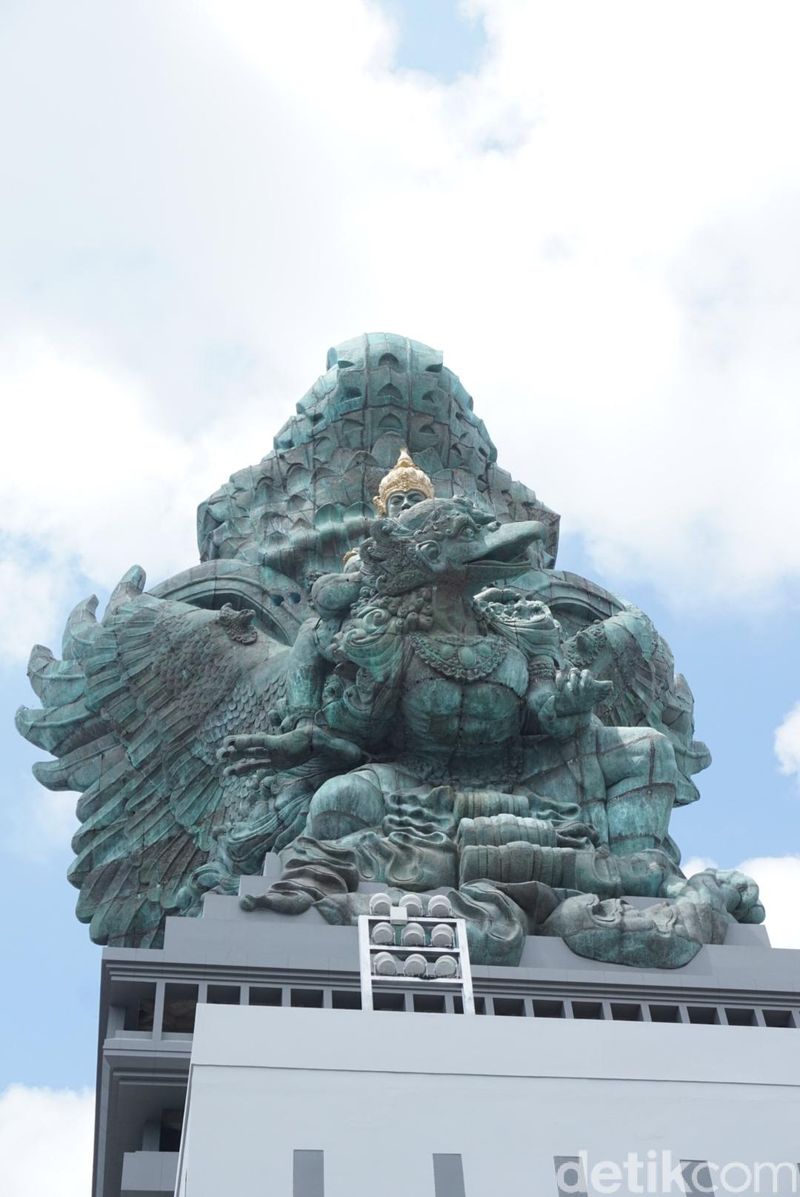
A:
{"x":461,"y":693}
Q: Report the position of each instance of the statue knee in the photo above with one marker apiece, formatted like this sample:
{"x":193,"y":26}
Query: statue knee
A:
{"x":638,"y":806}
{"x":651,"y":757}
{"x":343,"y":805}
{"x":663,"y":757}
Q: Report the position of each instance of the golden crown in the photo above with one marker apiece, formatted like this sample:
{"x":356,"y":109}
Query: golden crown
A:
{"x":404,"y":476}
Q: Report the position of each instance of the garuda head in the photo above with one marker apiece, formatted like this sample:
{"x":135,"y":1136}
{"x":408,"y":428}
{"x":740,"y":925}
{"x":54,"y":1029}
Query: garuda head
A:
{"x":446,"y":541}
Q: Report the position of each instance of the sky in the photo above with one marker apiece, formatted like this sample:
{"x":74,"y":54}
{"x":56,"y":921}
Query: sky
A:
{"x":591,"y":209}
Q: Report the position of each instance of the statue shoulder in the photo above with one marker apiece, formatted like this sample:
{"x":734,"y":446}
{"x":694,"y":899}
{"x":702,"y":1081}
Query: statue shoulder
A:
{"x":524,"y":620}
{"x":333,"y":595}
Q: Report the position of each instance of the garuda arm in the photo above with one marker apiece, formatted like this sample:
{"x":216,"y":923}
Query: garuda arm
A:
{"x":304,"y":734}
{"x":559,"y":700}
{"x":361,"y":697}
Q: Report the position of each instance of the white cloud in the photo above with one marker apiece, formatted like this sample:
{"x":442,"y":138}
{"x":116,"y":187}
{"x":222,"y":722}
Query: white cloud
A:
{"x":101,"y":479}
{"x":91,"y":483}
{"x":787,"y":742}
{"x":778,"y":879}
{"x":598,"y":228}
{"x":696,"y":864}
{"x":32,"y":597}
{"x":46,"y":1141}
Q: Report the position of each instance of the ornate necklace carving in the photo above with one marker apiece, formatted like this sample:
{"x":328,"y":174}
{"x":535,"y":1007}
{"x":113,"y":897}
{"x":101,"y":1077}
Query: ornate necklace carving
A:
{"x":453,"y":656}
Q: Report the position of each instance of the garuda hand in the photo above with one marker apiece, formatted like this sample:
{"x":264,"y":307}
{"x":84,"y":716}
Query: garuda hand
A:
{"x":287,"y":750}
{"x":569,"y":707}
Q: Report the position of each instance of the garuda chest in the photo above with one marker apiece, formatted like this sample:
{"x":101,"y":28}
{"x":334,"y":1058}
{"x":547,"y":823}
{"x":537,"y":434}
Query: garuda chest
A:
{"x":462,"y":658}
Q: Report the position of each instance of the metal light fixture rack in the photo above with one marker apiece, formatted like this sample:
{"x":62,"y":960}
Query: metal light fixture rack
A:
{"x":412,"y":942}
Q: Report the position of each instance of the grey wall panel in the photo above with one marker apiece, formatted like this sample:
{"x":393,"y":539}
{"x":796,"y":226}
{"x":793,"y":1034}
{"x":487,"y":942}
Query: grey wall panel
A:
{"x":448,"y":1176}
{"x":697,"y":1178}
{"x":570,"y":1176}
{"x":308,"y":1174}
{"x":382,"y":1093}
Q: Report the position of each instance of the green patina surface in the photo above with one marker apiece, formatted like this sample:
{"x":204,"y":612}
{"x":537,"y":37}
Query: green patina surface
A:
{"x":444,"y":710}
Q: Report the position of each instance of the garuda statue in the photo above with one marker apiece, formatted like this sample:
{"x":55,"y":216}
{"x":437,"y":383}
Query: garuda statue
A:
{"x":401,"y":691}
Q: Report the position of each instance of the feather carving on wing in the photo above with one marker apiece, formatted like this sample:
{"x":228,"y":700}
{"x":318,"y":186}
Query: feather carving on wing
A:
{"x":136,"y":714}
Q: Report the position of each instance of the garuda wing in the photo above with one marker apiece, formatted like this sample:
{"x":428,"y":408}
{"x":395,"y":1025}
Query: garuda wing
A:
{"x":135,"y":714}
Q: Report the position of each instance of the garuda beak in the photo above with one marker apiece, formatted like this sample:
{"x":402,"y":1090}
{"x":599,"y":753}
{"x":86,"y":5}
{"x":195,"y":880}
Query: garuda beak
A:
{"x":504,"y":552}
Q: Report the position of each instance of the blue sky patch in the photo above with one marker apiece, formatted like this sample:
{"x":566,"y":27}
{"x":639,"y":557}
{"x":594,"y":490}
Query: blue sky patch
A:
{"x":437,"y":37}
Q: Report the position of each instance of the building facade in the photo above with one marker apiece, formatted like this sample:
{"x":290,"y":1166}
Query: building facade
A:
{"x":237,"y":1059}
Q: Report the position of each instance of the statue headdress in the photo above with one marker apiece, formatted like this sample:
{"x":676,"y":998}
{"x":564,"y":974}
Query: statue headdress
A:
{"x":404,"y":476}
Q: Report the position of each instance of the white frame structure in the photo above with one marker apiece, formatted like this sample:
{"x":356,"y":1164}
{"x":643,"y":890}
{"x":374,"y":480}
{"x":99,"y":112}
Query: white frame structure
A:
{"x":399,"y":917}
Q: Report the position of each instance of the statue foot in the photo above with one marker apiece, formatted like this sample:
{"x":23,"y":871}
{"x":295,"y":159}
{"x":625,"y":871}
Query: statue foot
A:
{"x":281,"y":901}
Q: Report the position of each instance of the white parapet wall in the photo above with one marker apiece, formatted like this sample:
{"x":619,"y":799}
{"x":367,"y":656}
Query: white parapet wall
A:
{"x":336,"y":1103}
